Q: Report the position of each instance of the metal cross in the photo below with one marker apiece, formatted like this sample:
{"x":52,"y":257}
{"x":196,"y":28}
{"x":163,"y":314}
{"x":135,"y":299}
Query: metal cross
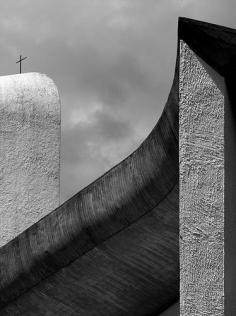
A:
{"x":20,"y":60}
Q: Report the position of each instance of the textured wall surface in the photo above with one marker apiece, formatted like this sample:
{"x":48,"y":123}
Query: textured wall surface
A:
{"x":113,"y":248}
{"x":201,"y":144}
{"x":29,"y":151}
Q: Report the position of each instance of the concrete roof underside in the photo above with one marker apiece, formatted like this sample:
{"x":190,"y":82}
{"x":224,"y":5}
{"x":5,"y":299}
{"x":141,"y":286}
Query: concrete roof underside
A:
{"x":113,"y":248}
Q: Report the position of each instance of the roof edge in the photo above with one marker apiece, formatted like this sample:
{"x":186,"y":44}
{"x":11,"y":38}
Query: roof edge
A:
{"x":215,"y":44}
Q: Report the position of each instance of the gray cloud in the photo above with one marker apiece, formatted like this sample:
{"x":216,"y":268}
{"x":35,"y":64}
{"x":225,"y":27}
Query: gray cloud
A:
{"x":113,"y":62}
{"x":94,"y":143}
{"x":100,"y":128}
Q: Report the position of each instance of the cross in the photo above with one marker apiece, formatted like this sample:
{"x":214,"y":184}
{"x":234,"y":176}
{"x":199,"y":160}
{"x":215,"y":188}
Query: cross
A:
{"x":20,"y":60}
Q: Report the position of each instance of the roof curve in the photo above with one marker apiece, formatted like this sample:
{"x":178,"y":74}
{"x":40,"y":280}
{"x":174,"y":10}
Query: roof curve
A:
{"x":113,"y":248}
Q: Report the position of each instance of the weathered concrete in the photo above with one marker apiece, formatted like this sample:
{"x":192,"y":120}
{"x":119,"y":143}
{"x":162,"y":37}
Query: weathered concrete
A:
{"x":29,"y":151}
{"x":201,"y":144}
{"x":216,"y":45}
{"x":112,"y":249}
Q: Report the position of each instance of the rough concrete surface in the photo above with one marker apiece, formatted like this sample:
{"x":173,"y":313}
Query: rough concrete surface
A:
{"x":29,"y":151}
{"x":201,"y":145}
{"x":111,"y":249}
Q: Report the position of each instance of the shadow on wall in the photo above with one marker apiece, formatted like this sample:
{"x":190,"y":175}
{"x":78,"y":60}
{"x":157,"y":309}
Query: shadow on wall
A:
{"x":172,"y":311}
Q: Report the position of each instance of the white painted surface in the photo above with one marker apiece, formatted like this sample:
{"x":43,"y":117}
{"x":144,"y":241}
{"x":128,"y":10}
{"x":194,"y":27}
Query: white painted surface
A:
{"x":201,"y":137}
{"x":29,"y":151}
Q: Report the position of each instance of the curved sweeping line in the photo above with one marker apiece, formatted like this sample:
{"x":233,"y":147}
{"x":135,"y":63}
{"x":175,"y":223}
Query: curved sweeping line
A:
{"x":133,"y":203}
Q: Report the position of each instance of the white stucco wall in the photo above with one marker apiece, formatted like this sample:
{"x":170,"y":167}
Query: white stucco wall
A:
{"x":29,"y":151}
{"x":201,"y":141}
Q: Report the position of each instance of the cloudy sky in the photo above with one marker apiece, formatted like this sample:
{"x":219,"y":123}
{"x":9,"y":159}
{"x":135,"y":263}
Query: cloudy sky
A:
{"x":113,"y":62}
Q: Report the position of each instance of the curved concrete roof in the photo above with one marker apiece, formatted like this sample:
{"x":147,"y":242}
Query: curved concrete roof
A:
{"x":113,"y":248}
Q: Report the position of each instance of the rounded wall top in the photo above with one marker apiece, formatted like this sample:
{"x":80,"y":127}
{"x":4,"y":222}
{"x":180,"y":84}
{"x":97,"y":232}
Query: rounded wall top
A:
{"x":27,"y":88}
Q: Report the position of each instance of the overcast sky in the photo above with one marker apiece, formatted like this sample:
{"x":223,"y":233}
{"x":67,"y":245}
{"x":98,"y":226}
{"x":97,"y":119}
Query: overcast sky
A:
{"x":113,"y":62}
